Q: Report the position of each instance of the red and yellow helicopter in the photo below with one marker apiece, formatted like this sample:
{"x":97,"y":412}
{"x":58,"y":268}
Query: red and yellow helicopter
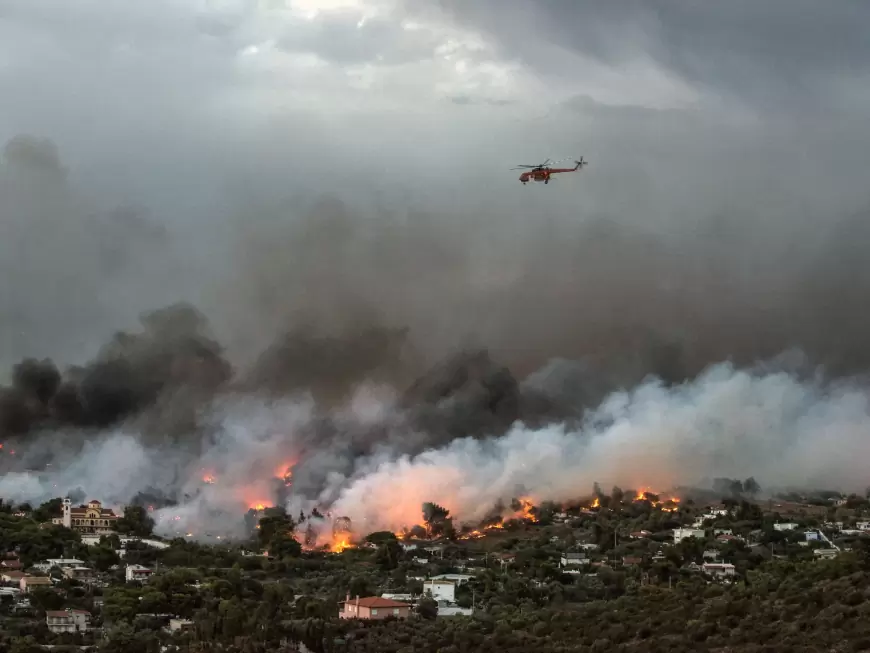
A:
{"x":543,"y":171}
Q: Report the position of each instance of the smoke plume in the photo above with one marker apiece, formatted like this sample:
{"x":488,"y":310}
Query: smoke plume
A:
{"x":363,"y":360}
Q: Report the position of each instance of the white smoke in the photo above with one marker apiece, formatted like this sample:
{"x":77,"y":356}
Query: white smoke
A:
{"x":727,"y":422}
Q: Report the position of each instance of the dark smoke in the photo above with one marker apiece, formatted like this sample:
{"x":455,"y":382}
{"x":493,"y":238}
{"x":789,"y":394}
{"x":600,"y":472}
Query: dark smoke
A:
{"x":378,"y":337}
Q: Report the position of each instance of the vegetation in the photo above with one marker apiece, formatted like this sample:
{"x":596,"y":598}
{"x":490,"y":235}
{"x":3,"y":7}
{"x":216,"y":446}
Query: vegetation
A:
{"x":638,"y":591}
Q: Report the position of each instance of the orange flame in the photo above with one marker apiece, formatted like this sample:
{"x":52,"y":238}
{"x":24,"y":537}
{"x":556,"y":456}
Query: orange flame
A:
{"x":285,"y":472}
{"x":208,"y":478}
{"x":596,"y":503}
{"x":525,"y":511}
{"x":339,"y":544}
{"x":668,"y":504}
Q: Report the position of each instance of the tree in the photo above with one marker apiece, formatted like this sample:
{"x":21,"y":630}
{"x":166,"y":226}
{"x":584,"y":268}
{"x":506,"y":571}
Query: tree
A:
{"x":437,"y":519}
{"x":389,"y":554}
{"x":136,"y":521}
{"x":275,"y":534}
{"x":48,"y":510}
{"x":751,"y":487}
{"x":617,"y":495}
{"x":427,"y":608}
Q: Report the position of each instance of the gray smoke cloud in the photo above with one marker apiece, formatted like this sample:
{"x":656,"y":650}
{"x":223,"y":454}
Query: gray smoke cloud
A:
{"x":329,"y":190}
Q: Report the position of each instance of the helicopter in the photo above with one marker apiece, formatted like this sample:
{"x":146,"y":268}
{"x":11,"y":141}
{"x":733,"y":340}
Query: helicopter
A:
{"x":543,"y":171}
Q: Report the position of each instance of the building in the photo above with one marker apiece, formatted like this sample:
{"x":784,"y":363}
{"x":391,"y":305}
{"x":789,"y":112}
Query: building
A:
{"x":456,"y":578}
{"x":441,"y":590}
{"x":83,"y":574}
{"x":68,"y":621}
{"x":681,"y":534}
{"x":183,"y":625}
{"x":785,"y":526}
{"x":29,"y":582}
{"x":91,"y":518}
{"x":60,"y":563}
{"x":718,"y":569}
{"x":373,"y":607}
{"x":12,"y":576}
{"x":137,"y":573}
{"x":826,"y":554}
{"x":573,"y":560}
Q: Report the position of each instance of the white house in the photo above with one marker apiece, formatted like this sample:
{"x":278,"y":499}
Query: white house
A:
{"x":785,"y":526}
{"x":441,"y":590}
{"x":61,"y":563}
{"x":681,"y":534}
{"x":573,"y":560}
{"x":68,"y":621}
{"x":138,"y":572}
{"x":825,"y":554}
{"x":718,"y":569}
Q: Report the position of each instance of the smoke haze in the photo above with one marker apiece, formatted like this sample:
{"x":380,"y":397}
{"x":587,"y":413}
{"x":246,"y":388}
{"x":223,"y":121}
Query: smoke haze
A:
{"x":238,"y":236}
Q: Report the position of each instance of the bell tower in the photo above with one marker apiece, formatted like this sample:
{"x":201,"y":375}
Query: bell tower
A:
{"x":67,"y":513}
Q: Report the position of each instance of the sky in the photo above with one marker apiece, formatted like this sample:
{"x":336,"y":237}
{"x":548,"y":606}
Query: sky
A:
{"x":184,"y":136}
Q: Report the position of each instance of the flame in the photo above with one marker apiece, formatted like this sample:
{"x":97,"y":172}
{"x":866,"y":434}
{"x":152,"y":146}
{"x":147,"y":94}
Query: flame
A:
{"x":596,"y":503}
{"x":668,"y":504}
{"x":285,"y":473}
{"x":259,"y":506}
{"x":339,"y":544}
{"x":525,"y":511}
{"x":208,"y":478}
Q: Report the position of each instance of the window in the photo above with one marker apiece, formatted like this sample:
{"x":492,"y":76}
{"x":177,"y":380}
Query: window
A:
{"x":395,"y":611}
{"x":374,"y":612}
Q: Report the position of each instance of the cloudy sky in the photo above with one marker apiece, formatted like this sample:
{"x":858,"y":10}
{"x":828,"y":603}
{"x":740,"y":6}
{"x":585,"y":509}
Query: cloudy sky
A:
{"x":213,"y":117}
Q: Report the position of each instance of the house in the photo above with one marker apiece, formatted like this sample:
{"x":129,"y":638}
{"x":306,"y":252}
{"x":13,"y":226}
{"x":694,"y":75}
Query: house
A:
{"x":639,"y":535}
{"x":718,"y":569}
{"x":60,"y":563}
{"x":83,"y":574}
{"x":573,"y":560}
{"x":12,"y":576}
{"x":373,"y":607}
{"x":681,"y":534}
{"x":785,"y":526}
{"x":632,"y":561}
{"x":91,"y":518}
{"x":441,"y":590}
{"x":68,"y":621}
{"x":137,"y":573}
{"x":11,"y":564}
{"x":179,"y":624}
{"x":29,"y":582}
{"x":825,"y":554}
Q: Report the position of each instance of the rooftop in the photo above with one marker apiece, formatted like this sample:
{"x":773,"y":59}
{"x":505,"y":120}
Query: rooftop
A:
{"x":377,"y":602}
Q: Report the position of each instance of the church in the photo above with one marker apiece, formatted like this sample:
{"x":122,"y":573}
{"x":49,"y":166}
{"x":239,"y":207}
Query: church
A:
{"x":90,"y":519}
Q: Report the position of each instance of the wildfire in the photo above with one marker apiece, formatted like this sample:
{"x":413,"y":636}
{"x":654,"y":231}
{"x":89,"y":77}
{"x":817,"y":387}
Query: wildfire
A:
{"x":596,"y":503}
{"x":259,"y":506}
{"x":340,"y":544}
{"x":525,"y":511}
{"x":209,"y":479}
{"x":669,"y":504}
{"x":285,"y":473}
